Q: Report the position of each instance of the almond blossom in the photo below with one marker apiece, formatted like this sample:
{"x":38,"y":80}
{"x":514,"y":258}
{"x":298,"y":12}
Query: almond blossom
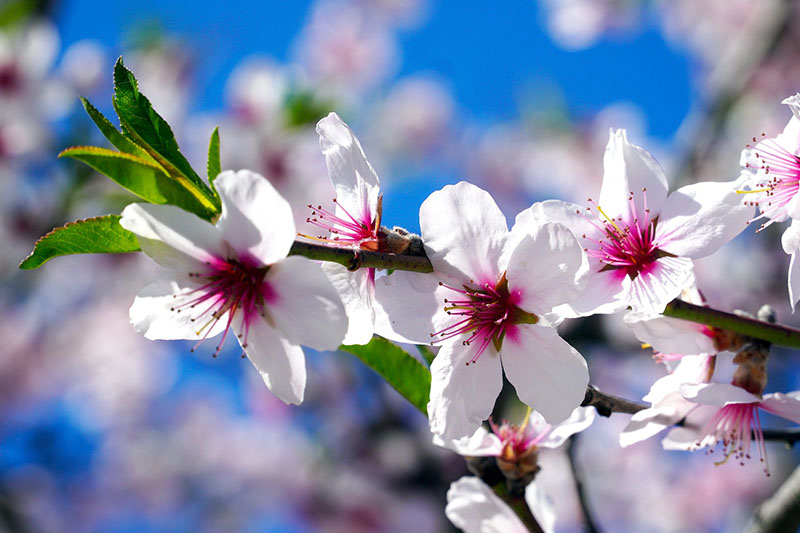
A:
{"x":355,"y":222}
{"x":236,"y":275}
{"x":728,"y":414}
{"x":640,"y":242}
{"x":496,"y":290}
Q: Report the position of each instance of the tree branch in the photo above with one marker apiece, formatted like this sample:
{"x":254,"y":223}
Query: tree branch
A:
{"x":606,"y":404}
{"x":583,"y":499}
{"x":781,"y":512}
{"x":354,"y":259}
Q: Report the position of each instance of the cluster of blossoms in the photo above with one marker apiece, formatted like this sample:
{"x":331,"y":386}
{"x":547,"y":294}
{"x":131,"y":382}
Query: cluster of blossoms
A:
{"x":492,"y":303}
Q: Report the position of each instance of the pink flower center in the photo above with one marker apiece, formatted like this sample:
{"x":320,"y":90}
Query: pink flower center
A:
{"x":627,"y":246}
{"x":10,"y":81}
{"x":517,"y":440}
{"x":486,"y":314}
{"x":779,"y":184}
{"x":228,"y":288}
{"x":345,"y":231}
{"x":736,"y":426}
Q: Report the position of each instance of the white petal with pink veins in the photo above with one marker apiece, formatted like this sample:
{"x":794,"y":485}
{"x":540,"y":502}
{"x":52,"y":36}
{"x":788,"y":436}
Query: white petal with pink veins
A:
{"x":464,"y":232}
{"x":172,"y":237}
{"x":543,"y":268}
{"x":255,"y":217}
{"x":306,"y":308}
{"x":481,"y":443}
{"x":698,"y":219}
{"x":154,"y":312}
{"x":462,"y":396}
{"x":629,"y":169}
{"x":281,"y":364}
{"x":548,"y":374}
{"x":354,"y":179}
{"x":651,"y":291}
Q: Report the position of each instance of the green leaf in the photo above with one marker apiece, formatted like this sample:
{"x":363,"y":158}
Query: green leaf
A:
{"x":303,"y":108}
{"x":13,"y":12}
{"x":88,"y":236}
{"x":214,"y":166}
{"x":143,"y":178}
{"x":401,"y":370}
{"x":142,"y":124}
{"x":117,"y":139}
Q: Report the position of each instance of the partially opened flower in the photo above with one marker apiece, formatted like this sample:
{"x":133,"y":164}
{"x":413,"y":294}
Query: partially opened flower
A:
{"x":355,"y":222}
{"x":639,"y":242}
{"x":475,"y":508}
{"x":236,"y":275}
{"x":728,"y":414}
{"x":496,"y":291}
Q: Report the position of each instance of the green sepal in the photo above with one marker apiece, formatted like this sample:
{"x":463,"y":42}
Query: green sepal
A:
{"x":89,"y":236}
{"x":143,"y":178}
{"x":145,"y":127}
{"x":400,"y":369}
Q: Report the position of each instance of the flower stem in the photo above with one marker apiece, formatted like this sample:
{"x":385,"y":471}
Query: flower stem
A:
{"x":750,"y":327}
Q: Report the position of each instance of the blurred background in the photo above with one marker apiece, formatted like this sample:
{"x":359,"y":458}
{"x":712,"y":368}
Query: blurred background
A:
{"x":102,"y":430}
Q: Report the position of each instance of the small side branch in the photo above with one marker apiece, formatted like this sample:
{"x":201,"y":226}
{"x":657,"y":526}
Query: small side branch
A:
{"x":608,"y":403}
{"x":583,"y":497}
{"x":354,"y":259}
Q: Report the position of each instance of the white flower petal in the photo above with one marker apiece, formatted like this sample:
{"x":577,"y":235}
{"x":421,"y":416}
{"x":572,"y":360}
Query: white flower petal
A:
{"x":783,"y":405}
{"x":548,"y":374}
{"x":462,"y":396}
{"x":580,"y":419}
{"x":481,"y":443}
{"x":698,"y":219}
{"x":686,"y":437}
{"x":475,"y":508}
{"x":671,"y":335}
{"x":790,"y":240}
{"x":406,"y":305}
{"x":172,"y":237}
{"x":154,"y":313}
{"x":649,"y":422}
{"x":716,"y":394}
{"x":353,"y":178}
{"x":629,"y":169}
{"x":464,"y":233}
{"x":603,"y":292}
{"x":307,"y":309}
{"x":356,"y":293}
{"x":543,"y":267}
{"x":541,"y":506}
{"x":794,"y":280}
{"x":651,"y":291}
{"x":255,"y":217}
{"x":281,"y":364}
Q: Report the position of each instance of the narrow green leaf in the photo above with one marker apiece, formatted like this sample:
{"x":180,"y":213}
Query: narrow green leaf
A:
{"x":214,"y":166}
{"x":117,"y":139}
{"x":142,"y":124}
{"x":143,"y":178}
{"x":402,"y":371}
{"x":89,"y":236}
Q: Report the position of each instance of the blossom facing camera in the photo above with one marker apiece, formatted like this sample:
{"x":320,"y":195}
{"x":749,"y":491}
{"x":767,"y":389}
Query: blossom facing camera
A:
{"x":489,"y":300}
{"x":639,"y":241}
{"x":235,"y":276}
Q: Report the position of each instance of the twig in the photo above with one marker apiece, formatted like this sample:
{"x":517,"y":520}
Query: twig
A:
{"x":781,"y":512}
{"x":354,"y":259}
{"x":583,"y":499}
{"x":608,"y":403}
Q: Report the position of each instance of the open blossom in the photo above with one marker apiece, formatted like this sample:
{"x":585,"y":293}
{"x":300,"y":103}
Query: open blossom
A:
{"x":639,"y":242}
{"x":475,"y":508}
{"x":495,"y":292}
{"x":728,"y":414}
{"x":236,"y":275}
{"x":355,"y":222}
{"x":772,"y":167}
